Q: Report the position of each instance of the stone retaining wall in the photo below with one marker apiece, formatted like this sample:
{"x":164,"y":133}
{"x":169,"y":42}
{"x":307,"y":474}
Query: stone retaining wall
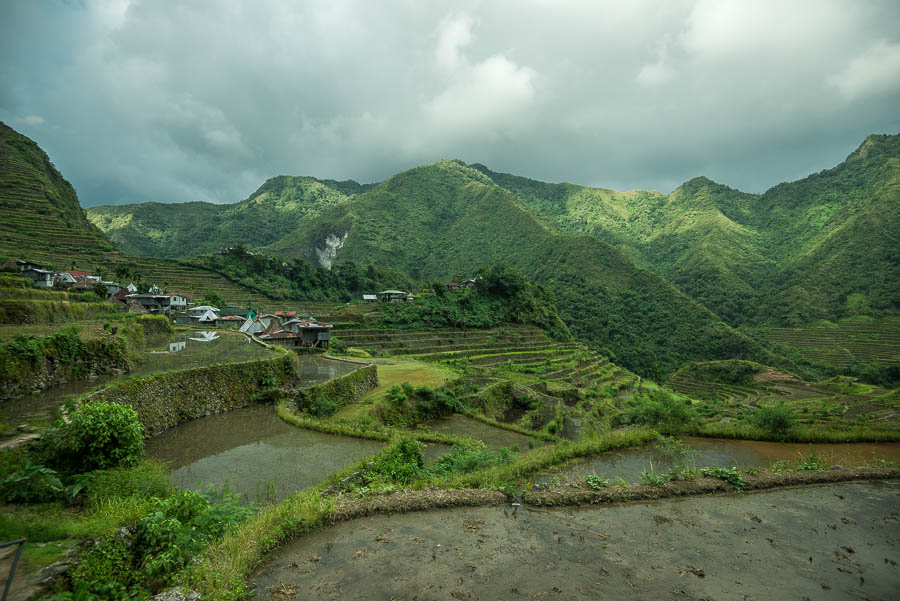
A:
{"x":165,"y":400}
{"x":345,"y":389}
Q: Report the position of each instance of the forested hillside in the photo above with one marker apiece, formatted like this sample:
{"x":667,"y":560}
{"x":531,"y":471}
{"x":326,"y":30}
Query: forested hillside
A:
{"x":823,"y":247}
{"x":445,"y":220}
{"x":189,"y":229}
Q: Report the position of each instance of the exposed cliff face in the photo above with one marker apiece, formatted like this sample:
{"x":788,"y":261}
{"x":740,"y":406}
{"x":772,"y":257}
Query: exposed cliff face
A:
{"x":329,"y":250}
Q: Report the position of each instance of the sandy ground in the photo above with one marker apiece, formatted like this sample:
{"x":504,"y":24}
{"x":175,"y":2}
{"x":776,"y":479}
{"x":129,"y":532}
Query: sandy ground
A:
{"x":831,"y":541}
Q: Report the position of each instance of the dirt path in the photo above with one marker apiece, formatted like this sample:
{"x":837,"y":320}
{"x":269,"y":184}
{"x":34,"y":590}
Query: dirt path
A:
{"x":833,"y":541}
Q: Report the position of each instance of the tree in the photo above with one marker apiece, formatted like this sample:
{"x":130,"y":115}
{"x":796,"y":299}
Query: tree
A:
{"x":211,"y":297}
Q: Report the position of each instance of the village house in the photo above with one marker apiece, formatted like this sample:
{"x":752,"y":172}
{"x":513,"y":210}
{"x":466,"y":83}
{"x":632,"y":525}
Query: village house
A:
{"x":453,"y":286}
{"x":41,"y":277}
{"x":229,"y":321}
{"x":159,"y":303}
{"x":201,"y":309}
{"x":370,"y":298}
{"x":23,"y":265}
{"x":113,"y":287}
{"x":208,"y":317}
{"x":307,"y":333}
{"x":394,"y":296}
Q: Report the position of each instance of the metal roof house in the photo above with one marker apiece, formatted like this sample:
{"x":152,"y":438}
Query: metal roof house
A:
{"x":394,"y":296}
{"x":41,"y":277}
{"x":301,"y":333}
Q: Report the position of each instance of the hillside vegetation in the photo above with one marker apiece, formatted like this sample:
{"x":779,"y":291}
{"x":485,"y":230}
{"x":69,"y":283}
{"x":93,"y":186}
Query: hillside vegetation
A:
{"x":823,"y":247}
{"x":193,"y":228}
{"x":41,"y":220}
{"x":444,"y":220}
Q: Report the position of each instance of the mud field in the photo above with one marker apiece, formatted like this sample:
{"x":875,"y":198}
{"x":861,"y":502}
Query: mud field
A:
{"x":835,"y":541}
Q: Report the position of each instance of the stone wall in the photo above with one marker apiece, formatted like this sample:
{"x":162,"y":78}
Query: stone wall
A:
{"x":345,"y":389}
{"x":168,"y":399}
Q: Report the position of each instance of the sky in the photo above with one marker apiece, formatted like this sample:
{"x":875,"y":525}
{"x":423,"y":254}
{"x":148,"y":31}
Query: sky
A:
{"x":140,"y":100}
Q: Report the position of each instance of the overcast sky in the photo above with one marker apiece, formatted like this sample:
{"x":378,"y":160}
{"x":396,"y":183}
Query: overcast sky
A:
{"x":178,"y":101}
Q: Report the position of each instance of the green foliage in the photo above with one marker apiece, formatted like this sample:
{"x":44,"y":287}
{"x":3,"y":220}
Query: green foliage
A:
{"x":810,"y":462}
{"x":502,"y":295}
{"x":596,"y":482}
{"x":401,"y":463}
{"x":662,"y":409}
{"x":105,"y":571}
{"x":728,"y":474}
{"x":34,"y":483}
{"x":295,"y":279}
{"x":213,"y":298}
{"x":97,"y":435}
{"x":775,"y":419}
{"x":725,"y":372}
{"x":468,"y":456}
{"x":179,"y":527}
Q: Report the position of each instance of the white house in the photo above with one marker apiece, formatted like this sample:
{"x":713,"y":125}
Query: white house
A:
{"x":200,"y":310}
{"x":205,"y":317}
{"x":252,"y":326}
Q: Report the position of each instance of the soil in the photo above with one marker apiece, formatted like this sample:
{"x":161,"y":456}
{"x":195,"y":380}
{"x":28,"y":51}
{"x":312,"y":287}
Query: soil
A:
{"x":827,"y":542}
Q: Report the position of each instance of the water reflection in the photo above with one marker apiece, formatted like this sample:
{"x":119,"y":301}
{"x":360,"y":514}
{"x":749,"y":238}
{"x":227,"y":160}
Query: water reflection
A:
{"x":253,"y":453}
{"x":316,"y":370}
{"x":160,"y":354}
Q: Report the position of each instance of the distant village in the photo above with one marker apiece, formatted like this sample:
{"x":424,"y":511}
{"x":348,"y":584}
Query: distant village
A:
{"x":284,"y":328}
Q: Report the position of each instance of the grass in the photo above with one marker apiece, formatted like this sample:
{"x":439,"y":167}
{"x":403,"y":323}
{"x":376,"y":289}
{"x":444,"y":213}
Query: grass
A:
{"x":392,"y":372}
{"x":813,"y":433}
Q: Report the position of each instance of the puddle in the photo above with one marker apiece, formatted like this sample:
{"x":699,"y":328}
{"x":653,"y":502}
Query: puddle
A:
{"x":629,"y":463}
{"x":830,"y":542}
{"x":316,"y":370}
{"x":253,"y":453}
{"x":466,"y":426}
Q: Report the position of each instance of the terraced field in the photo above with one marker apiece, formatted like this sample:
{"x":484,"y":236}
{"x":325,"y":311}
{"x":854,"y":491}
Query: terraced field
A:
{"x":839,"y":400}
{"x":515,"y":373}
{"x":864,"y":340}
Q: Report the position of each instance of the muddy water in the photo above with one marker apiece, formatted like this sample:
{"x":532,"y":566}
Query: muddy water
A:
{"x":466,"y":426}
{"x":316,"y":370}
{"x":830,"y":542}
{"x":253,"y":453}
{"x":629,"y":463}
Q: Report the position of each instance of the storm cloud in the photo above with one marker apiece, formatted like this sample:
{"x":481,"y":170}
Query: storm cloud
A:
{"x":181,"y":101}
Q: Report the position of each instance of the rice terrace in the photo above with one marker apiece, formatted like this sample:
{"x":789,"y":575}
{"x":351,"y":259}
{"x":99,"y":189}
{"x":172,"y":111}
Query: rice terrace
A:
{"x":397,"y":303}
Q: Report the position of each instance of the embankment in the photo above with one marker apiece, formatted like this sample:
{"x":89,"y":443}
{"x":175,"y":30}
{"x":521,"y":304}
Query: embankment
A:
{"x":341,"y":390}
{"x":165,"y":400}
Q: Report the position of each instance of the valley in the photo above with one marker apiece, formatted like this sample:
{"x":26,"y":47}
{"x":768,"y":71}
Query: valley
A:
{"x":550,"y":345}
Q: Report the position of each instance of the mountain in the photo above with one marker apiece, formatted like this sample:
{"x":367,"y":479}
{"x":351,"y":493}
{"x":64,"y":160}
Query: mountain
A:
{"x":822,"y":247}
{"x":39,"y":211}
{"x":42,"y":220}
{"x":193,"y":228}
{"x":442,"y":221}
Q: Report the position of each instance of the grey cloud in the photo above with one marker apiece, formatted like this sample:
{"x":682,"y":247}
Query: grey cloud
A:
{"x":175,"y":101}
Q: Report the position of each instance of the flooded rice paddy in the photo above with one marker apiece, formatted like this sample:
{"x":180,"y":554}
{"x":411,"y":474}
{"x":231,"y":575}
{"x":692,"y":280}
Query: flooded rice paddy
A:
{"x":167,"y":353}
{"x":466,"y":426}
{"x":253,"y":453}
{"x":317,"y":370}
{"x":629,"y":463}
{"x":829,"y":542}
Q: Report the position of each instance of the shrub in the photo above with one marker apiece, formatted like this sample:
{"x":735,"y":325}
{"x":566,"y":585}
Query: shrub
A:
{"x":178,"y":528}
{"x":34,"y":483}
{"x":104,"y":571}
{"x":402,"y":462}
{"x":98,"y":435}
{"x":662,"y":409}
{"x":775,"y":419}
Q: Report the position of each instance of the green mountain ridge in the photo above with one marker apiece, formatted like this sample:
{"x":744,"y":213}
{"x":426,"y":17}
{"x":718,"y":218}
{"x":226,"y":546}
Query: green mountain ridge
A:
{"x":821,"y":247}
{"x":444,"y":220}
{"x":179,"y":230}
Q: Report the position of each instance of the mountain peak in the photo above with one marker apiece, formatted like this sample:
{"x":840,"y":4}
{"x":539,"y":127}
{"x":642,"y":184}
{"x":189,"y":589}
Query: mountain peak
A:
{"x":877,"y":145}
